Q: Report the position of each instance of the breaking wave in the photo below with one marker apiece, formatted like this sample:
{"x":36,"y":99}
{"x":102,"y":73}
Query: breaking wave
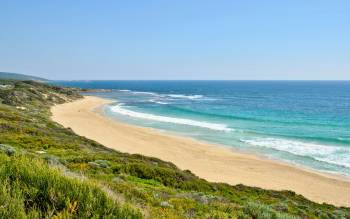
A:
{"x":331,"y":154}
{"x":213,"y":126}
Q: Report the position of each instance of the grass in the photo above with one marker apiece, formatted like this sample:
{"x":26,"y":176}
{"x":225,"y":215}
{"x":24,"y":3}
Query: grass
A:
{"x":47,"y":170}
{"x":31,"y":189}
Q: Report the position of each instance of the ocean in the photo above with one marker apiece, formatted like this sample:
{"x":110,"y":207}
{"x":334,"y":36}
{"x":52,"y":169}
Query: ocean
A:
{"x":306,"y":123}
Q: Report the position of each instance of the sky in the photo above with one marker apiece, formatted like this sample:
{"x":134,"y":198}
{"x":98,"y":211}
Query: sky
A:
{"x":181,"y":40}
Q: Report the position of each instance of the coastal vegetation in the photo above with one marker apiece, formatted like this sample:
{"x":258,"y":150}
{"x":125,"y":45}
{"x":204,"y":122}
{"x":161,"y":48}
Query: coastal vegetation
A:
{"x":47,"y":171}
{"x":16,"y":76}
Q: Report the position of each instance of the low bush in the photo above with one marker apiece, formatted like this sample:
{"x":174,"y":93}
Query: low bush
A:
{"x":31,"y":189}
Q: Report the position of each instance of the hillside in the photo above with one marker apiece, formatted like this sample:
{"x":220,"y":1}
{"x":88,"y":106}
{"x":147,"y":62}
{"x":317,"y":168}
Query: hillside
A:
{"x":47,"y":171}
{"x":16,"y":76}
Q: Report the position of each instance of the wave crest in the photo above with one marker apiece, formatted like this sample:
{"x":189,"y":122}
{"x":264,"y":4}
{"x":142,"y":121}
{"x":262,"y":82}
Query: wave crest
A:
{"x":213,"y":126}
{"x":159,"y":102}
{"x":325,"y":153}
{"x":180,"y":96}
{"x":177,"y":96}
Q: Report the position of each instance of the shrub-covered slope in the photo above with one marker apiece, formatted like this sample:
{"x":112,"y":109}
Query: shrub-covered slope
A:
{"x":30,"y":189}
{"x":16,"y":76}
{"x":48,"y":171}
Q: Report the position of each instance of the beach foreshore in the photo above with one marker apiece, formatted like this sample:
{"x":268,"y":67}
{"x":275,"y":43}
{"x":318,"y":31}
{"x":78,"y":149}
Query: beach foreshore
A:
{"x":212,"y":162}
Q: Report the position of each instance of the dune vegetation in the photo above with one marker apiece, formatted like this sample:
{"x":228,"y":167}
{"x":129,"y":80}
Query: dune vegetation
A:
{"x":47,"y":171}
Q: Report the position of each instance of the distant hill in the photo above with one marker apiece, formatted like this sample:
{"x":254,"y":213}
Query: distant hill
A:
{"x":16,"y":76}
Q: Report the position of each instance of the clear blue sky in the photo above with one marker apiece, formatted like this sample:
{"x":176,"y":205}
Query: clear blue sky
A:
{"x":182,"y":39}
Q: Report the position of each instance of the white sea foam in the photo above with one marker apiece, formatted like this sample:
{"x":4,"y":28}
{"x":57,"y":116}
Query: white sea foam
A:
{"x":157,"y":101}
{"x":326,"y":153}
{"x":144,"y":93}
{"x":175,"y":96}
{"x":180,"y":96}
{"x":213,"y":126}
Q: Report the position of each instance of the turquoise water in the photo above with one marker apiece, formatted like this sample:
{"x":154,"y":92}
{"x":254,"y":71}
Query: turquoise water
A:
{"x":302,"y":122}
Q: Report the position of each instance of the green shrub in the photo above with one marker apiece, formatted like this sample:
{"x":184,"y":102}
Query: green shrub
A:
{"x":259,"y":211}
{"x":31,"y":187}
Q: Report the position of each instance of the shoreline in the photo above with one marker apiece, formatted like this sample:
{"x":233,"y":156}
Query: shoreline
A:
{"x":215,"y":163}
{"x":337,"y":176}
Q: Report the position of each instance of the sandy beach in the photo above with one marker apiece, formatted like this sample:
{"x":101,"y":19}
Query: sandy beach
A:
{"x":211,"y":162}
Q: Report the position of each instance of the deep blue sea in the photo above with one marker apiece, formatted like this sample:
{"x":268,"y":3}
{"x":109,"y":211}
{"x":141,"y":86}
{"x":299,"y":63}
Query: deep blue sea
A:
{"x":302,"y":122}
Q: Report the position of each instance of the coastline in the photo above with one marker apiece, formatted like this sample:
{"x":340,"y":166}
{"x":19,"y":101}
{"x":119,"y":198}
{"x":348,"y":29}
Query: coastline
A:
{"x":208,"y":161}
